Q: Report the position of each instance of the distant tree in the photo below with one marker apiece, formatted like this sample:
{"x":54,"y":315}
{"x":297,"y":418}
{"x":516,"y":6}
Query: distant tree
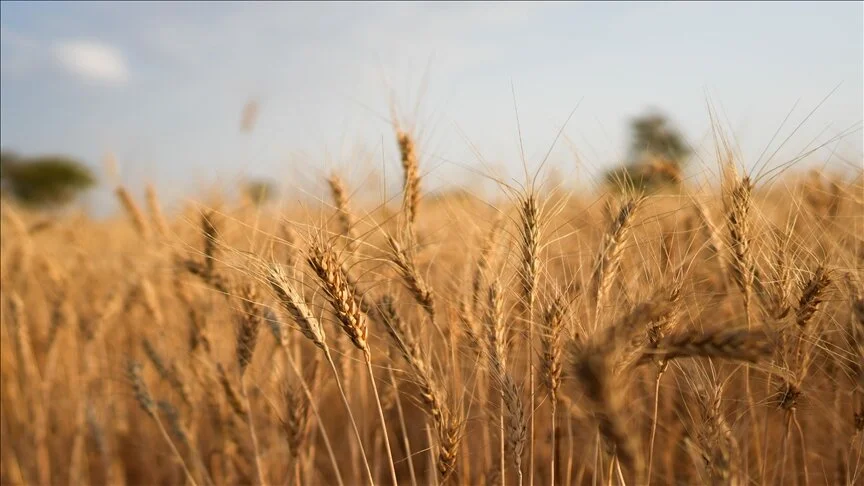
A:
{"x":259,"y":191}
{"x":48,"y":181}
{"x":657,"y":155}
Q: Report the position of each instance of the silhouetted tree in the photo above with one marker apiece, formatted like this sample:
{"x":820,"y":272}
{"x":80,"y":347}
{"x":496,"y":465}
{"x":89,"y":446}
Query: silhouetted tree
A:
{"x":259,"y":191}
{"x":43,"y":181}
{"x":657,"y":155}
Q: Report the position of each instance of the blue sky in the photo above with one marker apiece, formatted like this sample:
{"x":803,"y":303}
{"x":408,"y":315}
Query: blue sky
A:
{"x":162,"y":85}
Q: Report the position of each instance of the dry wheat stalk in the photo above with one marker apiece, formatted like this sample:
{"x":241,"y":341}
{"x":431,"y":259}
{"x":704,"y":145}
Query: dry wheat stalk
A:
{"x":733,"y":344}
{"x":145,"y":401}
{"x":311,"y":328}
{"x":552,"y":346}
{"x":812,"y":296}
{"x":416,"y":284}
{"x":713,"y":237}
{"x":296,"y":307}
{"x":334,"y":281}
{"x":721,"y":454}
{"x":169,"y":373}
{"x":609,"y":259}
{"x":411,"y":168}
{"x":592,"y":367}
{"x":156,"y":211}
{"x":233,"y":398}
{"x":738,"y":203}
{"x":530,"y":215}
{"x":346,"y":220}
{"x":250,"y":322}
{"x":484,"y":261}
{"x":133,"y":211}
{"x":449,"y":426}
{"x":344,"y":301}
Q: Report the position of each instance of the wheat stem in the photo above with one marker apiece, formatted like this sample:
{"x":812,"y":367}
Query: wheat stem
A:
{"x":359,"y":437}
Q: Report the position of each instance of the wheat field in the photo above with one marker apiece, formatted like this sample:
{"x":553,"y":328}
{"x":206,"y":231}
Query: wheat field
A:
{"x":689,"y":336}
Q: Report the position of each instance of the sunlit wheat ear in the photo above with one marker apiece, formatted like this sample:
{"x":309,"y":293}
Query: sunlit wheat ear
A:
{"x":450,"y":431}
{"x":812,"y":295}
{"x":22,"y":337}
{"x":292,"y":301}
{"x":484,"y":261}
{"x":449,"y":425}
{"x":133,"y":211}
{"x":289,"y":235}
{"x":346,"y":219}
{"x":668,"y":319}
{"x":720,"y":451}
{"x":776,"y":295}
{"x":208,"y":229}
{"x":297,"y":414}
{"x":249,"y":325}
{"x":400,"y":333}
{"x":732,"y":344}
{"x":346,"y":304}
{"x":408,"y":348}
{"x":552,"y":345}
{"x":738,"y":204}
{"x":529,"y":244}
{"x":411,"y":168}
{"x":495,"y":331}
{"x":609,"y":259}
{"x":515,"y":423}
{"x":414,"y":281}
{"x":155,"y":209}
{"x":322,"y":259}
{"x":206,"y":270}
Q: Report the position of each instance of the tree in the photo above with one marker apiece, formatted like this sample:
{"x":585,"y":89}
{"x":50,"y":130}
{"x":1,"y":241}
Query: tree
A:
{"x":657,"y":155}
{"x":259,"y":191}
{"x":47,"y":181}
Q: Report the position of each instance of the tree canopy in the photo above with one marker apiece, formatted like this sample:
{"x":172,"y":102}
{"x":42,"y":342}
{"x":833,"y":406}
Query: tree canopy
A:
{"x":44,"y":181}
{"x":259,"y":191}
{"x":657,"y":155}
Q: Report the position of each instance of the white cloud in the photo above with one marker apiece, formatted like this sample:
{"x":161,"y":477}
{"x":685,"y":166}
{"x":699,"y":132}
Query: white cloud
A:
{"x":93,"y":61}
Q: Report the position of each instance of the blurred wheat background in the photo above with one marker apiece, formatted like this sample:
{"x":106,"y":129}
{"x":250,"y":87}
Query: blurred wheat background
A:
{"x":672,"y":336}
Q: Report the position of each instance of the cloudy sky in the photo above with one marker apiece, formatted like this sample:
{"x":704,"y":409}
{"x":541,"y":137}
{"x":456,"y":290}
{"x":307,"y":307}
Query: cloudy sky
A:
{"x":163,"y":85}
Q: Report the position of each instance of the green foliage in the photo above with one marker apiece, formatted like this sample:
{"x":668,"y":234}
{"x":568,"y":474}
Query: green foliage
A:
{"x":44,"y":181}
{"x":657,"y":155}
{"x":654,"y":137}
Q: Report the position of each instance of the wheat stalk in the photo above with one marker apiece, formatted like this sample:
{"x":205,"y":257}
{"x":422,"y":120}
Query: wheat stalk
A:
{"x":346,"y":220}
{"x":609,"y":259}
{"x":411,"y":168}
{"x":416,"y":284}
{"x":145,"y":401}
{"x":155,"y":209}
{"x":133,"y":211}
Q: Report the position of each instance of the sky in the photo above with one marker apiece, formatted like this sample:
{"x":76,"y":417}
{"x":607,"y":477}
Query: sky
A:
{"x":161,"y":86}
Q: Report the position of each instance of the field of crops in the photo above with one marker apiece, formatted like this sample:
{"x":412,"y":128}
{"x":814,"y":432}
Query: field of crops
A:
{"x":689,"y":336}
